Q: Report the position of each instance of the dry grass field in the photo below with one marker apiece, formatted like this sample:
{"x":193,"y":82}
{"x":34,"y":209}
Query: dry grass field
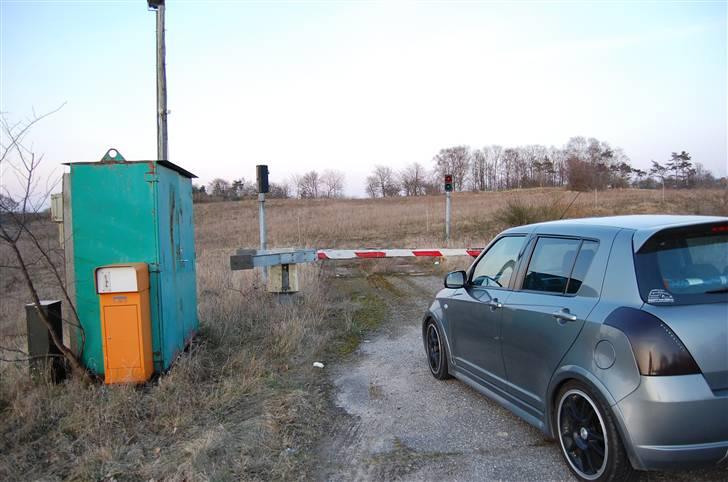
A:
{"x":419,"y":221}
{"x":244,"y":402}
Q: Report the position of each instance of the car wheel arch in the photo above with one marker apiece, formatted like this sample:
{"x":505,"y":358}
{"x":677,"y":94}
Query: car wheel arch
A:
{"x":566,"y":374}
{"x":427,"y":319}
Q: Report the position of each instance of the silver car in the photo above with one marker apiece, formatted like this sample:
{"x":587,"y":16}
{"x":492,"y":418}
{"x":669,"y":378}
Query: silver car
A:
{"x":609,"y":334}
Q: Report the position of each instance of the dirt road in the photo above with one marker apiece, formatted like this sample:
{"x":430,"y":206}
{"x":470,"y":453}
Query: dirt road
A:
{"x":397,"y":422}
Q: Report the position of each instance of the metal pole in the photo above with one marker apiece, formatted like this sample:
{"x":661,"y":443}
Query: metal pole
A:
{"x":162,"y":153}
{"x":261,"y":219}
{"x":448,"y":211}
{"x":261,"y":227}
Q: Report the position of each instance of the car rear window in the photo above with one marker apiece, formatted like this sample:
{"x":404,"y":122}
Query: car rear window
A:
{"x":555,"y":266}
{"x":551,"y":264}
{"x":684,"y":266}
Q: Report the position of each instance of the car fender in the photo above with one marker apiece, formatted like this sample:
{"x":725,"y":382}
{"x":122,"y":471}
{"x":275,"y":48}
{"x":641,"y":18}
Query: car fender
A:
{"x":435,"y":312}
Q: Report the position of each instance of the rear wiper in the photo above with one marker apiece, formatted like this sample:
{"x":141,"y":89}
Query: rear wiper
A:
{"x":719,"y":290}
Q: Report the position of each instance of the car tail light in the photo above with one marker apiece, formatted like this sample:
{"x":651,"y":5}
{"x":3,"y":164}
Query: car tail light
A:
{"x":657,"y":349}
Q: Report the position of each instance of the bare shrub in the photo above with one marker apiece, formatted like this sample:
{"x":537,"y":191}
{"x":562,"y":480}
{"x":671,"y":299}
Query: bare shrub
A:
{"x":518,"y":212}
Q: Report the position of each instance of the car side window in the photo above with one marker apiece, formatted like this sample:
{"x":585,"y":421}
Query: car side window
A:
{"x":498,"y":265}
{"x":551,"y":264}
{"x":581,"y":267}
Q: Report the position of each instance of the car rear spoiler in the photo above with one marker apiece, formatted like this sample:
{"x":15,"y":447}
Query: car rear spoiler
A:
{"x":641,"y":236}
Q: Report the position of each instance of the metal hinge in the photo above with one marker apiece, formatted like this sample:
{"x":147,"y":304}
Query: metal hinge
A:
{"x":154,"y":268}
{"x":151,"y":177}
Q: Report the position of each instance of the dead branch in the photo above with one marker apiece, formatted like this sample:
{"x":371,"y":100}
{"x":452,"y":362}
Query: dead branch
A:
{"x":61,"y":285}
{"x":14,"y":350}
{"x":18,"y":211}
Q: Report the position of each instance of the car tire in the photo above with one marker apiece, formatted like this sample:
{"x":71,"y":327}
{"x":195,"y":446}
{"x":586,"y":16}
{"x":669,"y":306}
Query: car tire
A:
{"x":588,"y":437}
{"x":436,"y":351}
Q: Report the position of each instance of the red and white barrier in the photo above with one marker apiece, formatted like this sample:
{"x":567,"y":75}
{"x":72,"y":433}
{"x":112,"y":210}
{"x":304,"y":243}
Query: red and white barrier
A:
{"x":394,"y":253}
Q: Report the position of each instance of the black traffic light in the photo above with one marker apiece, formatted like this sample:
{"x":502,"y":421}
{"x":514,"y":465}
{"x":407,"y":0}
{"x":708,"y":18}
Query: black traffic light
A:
{"x":448,"y":182}
{"x":262,"y":174}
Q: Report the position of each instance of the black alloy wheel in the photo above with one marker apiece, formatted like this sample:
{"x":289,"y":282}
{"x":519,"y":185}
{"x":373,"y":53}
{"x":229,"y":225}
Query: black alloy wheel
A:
{"x":582,"y":434}
{"x":588,"y":436}
{"x":436,"y":352}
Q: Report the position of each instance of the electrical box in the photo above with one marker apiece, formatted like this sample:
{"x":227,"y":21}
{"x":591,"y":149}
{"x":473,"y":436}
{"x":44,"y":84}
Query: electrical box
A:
{"x":45,"y":357}
{"x":125,"y":322}
{"x":125,"y":212}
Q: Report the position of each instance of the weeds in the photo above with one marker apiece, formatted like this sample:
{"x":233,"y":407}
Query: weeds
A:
{"x":215,"y":415}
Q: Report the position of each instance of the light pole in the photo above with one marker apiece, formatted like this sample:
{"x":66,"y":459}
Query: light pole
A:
{"x":162,"y":152}
{"x":261,"y":173}
{"x":448,"y":206}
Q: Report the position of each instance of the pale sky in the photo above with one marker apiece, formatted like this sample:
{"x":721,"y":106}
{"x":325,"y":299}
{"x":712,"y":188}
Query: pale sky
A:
{"x":347,"y":85}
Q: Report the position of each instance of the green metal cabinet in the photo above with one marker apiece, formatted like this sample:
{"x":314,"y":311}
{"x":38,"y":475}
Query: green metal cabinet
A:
{"x":136,"y":211}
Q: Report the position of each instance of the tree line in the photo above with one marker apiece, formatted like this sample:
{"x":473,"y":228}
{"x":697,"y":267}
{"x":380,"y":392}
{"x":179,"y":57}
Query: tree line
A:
{"x":582,"y":164}
{"x":310,"y":185}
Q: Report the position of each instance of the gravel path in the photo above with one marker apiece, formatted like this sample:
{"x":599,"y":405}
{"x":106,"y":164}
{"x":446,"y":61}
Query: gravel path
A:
{"x":398,"y":422}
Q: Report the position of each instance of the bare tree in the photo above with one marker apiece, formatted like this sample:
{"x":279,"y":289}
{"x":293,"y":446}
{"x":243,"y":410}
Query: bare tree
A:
{"x":413,"y":179}
{"x":509,"y":164}
{"x":309,"y":185}
{"x":455,"y":161}
{"x":18,"y":210}
{"x":371,"y":186}
{"x":280,"y":190}
{"x":479,"y":171}
{"x":219,"y":187}
{"x":332,"y":184}
{"x":242,"y":188}
{"x":295,"y":182}
{"x":383,"y":182}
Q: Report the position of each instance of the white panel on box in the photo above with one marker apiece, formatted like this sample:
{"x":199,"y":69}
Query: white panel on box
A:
{"x":57,"y":207}
{"x":117,"y":279}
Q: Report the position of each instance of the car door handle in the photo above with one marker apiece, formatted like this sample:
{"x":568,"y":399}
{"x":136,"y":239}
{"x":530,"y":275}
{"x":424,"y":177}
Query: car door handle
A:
{"x":495,"y":304}
{"x":564,"y":315}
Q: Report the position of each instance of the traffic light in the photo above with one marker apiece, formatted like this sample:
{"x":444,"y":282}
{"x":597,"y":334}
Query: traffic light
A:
{"x":261,"y":172}
{"x":448,"y":182}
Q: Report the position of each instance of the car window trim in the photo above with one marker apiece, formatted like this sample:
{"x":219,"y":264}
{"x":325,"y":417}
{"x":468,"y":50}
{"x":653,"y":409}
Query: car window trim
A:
{"x":522,"y":273}
{"x":511,"y":285}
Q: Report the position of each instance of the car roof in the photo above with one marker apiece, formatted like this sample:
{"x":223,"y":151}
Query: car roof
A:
{"x":644,"y":225}
{"x":639,"y":221}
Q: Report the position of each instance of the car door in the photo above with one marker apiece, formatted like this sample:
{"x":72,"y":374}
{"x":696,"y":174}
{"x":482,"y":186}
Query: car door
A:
{"x":474,"y":310}
{"x":544,"y":316}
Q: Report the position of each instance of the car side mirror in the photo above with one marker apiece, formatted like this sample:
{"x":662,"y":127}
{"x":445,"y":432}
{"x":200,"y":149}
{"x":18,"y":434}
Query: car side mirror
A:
{"x":455,"y":280}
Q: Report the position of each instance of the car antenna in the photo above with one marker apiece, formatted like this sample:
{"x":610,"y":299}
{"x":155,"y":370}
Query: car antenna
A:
{"x":567,"y":207}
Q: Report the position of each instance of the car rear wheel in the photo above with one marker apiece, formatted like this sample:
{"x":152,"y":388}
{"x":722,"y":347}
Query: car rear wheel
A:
{"x":436,"y":351}
{"x":588,"y":436}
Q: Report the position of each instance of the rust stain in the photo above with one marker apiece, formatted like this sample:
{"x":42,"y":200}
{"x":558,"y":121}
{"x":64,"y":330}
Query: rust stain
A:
{"x":173,"y":251}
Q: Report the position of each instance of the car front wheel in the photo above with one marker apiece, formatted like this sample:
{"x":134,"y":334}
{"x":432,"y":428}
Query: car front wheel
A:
{"x":436,"y":351}
{"x":588,"y":436}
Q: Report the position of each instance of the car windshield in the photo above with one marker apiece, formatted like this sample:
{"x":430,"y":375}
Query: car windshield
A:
{"x":684,"y":266}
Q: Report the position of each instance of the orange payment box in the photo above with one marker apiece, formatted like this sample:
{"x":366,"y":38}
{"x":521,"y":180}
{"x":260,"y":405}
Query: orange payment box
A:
{"x":126,"y":331}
